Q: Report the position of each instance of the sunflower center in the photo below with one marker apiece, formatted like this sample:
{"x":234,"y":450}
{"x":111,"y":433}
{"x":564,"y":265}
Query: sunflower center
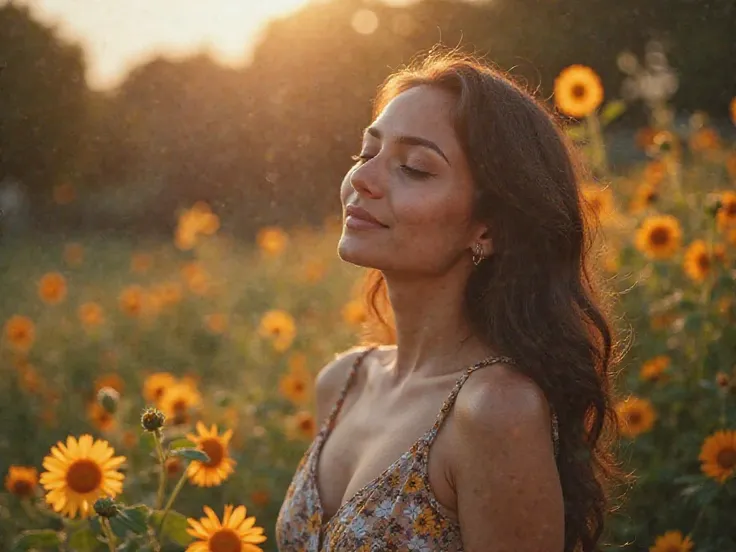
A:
{"x":727,"y":458}
{"x":158,"y":392}
{"x":22,"y":487}
{"x":215,"y":450}
{"x":298,"y":386}
{"x":225,"y":540}
{"x":578,"y":91}
{"x":730,"y":209}
{"x":180,"y":408}
{"x":659,"y":236}
{"x":634,"y":418}
{"x":306,"y":424}
{"x":703,"y":262}
{"x":652,"y":197}
{"x":83,"y":476}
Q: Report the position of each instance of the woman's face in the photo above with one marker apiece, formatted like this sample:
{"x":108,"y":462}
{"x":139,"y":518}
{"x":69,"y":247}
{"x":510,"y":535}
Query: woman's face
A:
{"x":413,"y":177}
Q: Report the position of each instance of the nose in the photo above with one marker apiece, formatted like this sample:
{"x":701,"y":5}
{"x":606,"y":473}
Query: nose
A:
{"x":365,"y":180}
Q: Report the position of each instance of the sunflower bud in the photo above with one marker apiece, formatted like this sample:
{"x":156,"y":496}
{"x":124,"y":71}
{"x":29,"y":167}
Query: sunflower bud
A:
{"x":108,"y":399}
{"x":152,"y":419}
{"x":106,"y":507}
{"x":722,"y":379}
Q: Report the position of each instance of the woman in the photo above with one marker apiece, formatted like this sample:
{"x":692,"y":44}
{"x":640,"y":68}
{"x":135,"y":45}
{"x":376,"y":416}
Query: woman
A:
{"x":464,"y":202}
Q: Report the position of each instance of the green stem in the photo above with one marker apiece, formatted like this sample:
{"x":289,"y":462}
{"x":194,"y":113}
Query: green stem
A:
{"x":108,"y":534}
{"x":599,"y":146}
{"x":170,"y":503}
{"x":162,"y":470}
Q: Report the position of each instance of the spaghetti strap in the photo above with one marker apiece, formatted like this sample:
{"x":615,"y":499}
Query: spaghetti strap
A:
{"x":330,"y":422}
{"x":450,"y":401}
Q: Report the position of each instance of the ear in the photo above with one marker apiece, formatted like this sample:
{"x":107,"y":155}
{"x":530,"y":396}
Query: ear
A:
{"x":483,"y":236}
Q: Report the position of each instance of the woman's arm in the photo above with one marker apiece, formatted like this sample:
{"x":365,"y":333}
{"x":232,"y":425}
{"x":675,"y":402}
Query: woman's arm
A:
{"x":509,"y":496}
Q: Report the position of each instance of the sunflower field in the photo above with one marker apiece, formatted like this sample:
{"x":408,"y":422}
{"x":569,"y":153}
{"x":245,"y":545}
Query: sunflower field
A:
{"x":158,"y":396}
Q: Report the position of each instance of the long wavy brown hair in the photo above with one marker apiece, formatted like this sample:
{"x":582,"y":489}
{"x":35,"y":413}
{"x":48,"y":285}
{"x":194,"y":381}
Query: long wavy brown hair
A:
{"x":537,"y":298}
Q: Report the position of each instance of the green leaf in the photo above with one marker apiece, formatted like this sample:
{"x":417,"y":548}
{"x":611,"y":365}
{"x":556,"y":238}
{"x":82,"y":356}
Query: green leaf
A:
{"x":37,"y":539}
{"x":84,"y":540}
{"x":612,"y":111}
{"x":191,"y":454}
{"x":133,"y":518}
{"x":576,"y":132}
{"x":175,"y":527}
{"x":181,"y":443}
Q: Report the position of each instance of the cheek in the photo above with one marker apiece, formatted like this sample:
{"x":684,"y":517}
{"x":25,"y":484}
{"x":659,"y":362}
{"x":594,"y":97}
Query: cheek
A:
{"x":433,"y":211}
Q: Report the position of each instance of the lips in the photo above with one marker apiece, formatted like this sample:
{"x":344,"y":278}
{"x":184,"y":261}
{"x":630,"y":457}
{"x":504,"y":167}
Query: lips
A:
{"x":359,"y":217}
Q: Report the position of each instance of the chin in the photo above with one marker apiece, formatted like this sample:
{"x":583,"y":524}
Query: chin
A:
{"x":352,"y":251}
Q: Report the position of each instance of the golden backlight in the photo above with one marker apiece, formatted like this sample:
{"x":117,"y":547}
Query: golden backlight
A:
{"x":117,"y":34}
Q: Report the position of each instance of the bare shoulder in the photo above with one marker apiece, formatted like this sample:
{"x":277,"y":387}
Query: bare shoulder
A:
{"x":503,"y":464}
{"x":500,"y":398}
{"x":331,"y":378}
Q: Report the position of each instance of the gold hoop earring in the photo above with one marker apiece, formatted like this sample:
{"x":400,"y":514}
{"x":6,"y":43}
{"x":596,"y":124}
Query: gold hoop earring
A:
{"x":477,"y":253}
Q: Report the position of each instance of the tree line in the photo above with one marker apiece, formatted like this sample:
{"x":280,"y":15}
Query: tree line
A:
{"x":269,"y":142}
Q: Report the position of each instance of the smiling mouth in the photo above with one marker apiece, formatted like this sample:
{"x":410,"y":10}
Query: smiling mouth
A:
{"x":355,"y":223}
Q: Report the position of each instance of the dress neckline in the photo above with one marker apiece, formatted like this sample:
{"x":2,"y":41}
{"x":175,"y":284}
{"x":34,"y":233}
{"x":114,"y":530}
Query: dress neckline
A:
{"x":421,"y":443}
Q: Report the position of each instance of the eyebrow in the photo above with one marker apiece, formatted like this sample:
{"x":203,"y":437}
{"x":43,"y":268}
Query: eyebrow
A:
{"x":409,"y":141}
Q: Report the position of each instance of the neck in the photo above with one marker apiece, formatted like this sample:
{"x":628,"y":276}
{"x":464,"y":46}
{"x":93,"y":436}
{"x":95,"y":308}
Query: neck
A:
{"x":433,"y":334}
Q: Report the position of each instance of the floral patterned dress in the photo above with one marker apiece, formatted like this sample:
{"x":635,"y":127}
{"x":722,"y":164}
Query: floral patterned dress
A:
{"x":396,"y":511}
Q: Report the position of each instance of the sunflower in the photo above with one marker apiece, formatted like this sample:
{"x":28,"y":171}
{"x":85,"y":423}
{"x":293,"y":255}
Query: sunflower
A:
{"x":645,"y":196}
{"x":21,"y":481}
{"x":73,"y":254}
{"x":302,"y":425}
{"x":636,"y":416}
{"x":272,"y":240}
{"x":598,"y":200}
{"x":220,"y":465}
{"x":52,"y":288}
{"x":196,"y":278}
{"x":698,"y":261}
{"x":100,"y":418}
{"x":653,"y":369}
{"x":178,"y":402}
{"x":659,"y":237}
{"x":578,"y":91}
{"x":704,"y":140}
{"x":192,"y":222}
{"x":672,"y":541}
{"x":90,"y":315}
{"x":732,"y":109}
{"x":354,"y":313}
{"x":296,"y":386}
{"x":132,"y":300}
{"x":216,"y":322}
{"x":718,"y":455}
{"x":20,"y":332}
{"x":279,"y":326}
{"x":28,"y":378}
{"x":236,"y":533}
{"x":80,"y":472}
{"x":726,"y":217}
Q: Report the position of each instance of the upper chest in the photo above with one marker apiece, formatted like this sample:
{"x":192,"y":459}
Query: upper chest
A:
{"x":376,"y":429}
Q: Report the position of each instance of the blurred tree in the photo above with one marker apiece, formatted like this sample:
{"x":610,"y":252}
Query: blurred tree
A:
{"x":43,"y":103}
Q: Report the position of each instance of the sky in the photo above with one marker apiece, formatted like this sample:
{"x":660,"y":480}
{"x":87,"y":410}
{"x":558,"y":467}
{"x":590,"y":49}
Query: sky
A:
{"x":116,"y":34}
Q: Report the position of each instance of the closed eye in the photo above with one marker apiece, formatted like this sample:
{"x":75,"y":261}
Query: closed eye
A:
{"x":412,"y":172}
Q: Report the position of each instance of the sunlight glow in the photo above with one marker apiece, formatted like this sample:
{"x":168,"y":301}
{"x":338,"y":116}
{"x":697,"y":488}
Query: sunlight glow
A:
{"x":116,"y":35}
